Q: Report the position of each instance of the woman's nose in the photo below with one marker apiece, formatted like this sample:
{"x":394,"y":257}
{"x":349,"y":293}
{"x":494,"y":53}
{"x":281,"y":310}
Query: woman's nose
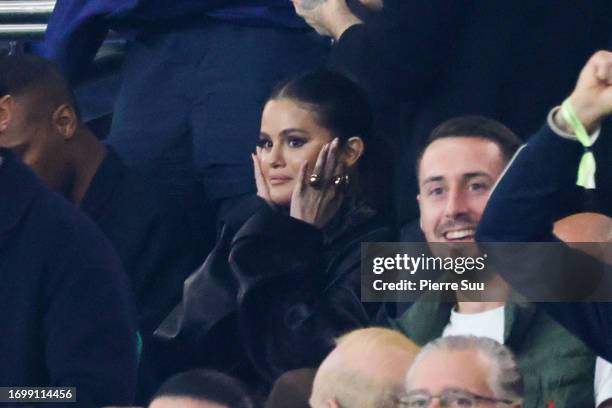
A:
{"x":275,"y":156}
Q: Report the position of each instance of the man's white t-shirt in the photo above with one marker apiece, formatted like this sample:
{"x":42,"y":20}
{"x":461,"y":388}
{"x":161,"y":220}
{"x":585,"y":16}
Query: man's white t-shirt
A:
{"x":603,"y":381}
{"x":484,"y":324}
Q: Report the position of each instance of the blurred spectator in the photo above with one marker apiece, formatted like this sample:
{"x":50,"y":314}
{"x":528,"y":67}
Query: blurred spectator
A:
{"x":158,"y":247}
{"x":587,"y":231}
{"x":457,"y":171}
{"x":292,"y":389}
{"x":195,"y":77}
{"x":430,"y":60}
{"x":202,"y":389}
{"x":283,"y":283}
{"x":545,"y":191}
{"x":67,"y":315}
{"x":464,"y":371}
{"x":366,"y":370}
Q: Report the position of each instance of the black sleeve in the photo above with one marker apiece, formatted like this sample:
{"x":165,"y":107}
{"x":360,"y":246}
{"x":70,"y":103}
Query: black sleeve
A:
{"x":537,"y":189}
{"x":397,"y":54}
{"x":292,"y":302}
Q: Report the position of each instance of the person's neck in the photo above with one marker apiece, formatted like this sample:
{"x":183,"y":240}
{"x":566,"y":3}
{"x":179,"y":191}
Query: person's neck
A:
{"x":88,"y":154}
{"x":477,"y":307}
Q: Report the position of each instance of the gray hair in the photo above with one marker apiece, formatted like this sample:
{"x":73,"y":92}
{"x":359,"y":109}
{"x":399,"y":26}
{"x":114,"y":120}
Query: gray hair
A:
{"x":505,"y":379}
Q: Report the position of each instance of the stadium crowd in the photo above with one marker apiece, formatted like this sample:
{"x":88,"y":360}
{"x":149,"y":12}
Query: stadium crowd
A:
{"x":188,"y":259}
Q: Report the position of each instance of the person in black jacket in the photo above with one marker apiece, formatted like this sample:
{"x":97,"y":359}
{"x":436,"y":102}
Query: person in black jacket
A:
{"x":67,"y":314}
{"x":539,"y":188}
{"x":285,"y":274}
{"x":426,"y":61}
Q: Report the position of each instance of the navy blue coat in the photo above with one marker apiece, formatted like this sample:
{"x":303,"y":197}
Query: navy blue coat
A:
{"x":67,"y":316}
{"x":537,"y":189}
{"x":77,"y":28}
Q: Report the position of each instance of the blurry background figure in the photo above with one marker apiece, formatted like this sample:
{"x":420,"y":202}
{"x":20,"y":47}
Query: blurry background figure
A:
{"x":157,"y":244}
{"x":194,"y":78}
{"x":292,"y":389}
{"x":365,"y":370}
{"x":464,"y":371}
{"x":592,"y":229}
{"x":202,"y":389}
{"x":425,"y":61}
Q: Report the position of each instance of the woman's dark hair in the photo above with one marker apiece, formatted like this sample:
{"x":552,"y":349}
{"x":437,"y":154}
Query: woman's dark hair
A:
{"x":342,"y":107}
{"x":207,"y":385}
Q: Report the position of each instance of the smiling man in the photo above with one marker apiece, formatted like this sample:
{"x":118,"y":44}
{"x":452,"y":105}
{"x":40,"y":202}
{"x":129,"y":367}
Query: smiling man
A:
{"x":457,"y":171}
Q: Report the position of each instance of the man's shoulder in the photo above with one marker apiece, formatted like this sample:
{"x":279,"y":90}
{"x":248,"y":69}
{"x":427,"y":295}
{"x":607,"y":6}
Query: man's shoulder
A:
{"x":52,"y":241}
{"x":545,"y":334}
{"x":43,"y":214}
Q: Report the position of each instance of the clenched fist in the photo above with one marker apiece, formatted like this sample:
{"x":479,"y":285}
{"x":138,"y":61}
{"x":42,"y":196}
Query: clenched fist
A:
{"x":592,"y":97}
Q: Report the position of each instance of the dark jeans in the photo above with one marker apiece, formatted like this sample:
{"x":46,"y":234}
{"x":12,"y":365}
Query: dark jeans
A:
{"x":189,"y":107}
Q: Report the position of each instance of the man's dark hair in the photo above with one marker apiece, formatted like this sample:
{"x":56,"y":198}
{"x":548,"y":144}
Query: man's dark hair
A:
{"x":479,"y":127}
{"x":27,"y":74}
{"x":207,"y":385}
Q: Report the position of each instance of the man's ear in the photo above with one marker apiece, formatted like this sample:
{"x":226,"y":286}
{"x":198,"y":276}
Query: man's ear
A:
{"x":352,"y":150}
{"x":6,"y":112}
{"x":65,"y":121}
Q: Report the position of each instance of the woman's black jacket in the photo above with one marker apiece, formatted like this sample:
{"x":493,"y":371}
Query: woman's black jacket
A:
{"x":274,"y":293}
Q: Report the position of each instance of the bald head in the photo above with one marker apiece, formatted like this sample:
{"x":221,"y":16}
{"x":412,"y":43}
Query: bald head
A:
{"x":366,"y":369}
{"x":584,"y":227}
{"x":588,"y":232}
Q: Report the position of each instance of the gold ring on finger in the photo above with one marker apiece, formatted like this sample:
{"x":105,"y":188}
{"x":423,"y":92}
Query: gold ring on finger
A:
{"x":341,"y":180}
{"x":314,"y":180}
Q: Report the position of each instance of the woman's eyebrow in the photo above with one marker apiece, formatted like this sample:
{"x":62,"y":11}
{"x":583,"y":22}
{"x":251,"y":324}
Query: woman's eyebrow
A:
{"x":289,"y":131}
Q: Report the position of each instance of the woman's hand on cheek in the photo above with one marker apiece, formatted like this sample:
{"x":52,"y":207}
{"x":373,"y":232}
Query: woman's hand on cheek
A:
{"x":317,"y":204}
{"x":260,"y":182}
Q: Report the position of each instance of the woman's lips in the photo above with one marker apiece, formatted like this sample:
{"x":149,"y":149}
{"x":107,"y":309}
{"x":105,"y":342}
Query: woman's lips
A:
{"x":279,"y":180}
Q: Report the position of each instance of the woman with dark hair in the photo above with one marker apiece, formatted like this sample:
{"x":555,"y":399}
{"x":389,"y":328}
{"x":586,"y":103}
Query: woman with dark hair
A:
{"x":285,"y":273}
